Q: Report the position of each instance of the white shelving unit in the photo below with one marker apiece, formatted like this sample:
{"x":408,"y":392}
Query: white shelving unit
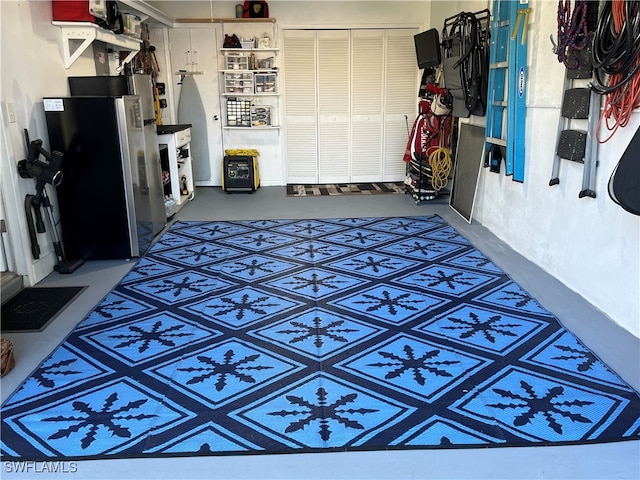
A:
{"x":77,"y":36}
{"x":249,"y":87}
{"x":243,"y":88}
{"x":179,"y":189}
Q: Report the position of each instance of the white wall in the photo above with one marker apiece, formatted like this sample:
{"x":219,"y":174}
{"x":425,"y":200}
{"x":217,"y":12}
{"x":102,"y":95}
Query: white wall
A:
{"x":443,"y":9}
{"x":310,"y":12}
{"x":591,"y":245}
{"x":32,"y":68}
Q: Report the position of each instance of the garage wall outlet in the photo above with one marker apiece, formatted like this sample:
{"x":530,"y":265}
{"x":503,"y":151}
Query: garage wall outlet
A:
{"x":11,"y":113}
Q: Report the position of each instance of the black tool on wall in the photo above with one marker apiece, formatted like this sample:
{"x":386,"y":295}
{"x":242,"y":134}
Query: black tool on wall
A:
{"x":44,"y":172}
{"x":465,"y":60}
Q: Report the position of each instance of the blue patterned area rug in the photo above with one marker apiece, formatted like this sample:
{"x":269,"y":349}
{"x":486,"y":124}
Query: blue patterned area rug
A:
{"x":317,"y":335}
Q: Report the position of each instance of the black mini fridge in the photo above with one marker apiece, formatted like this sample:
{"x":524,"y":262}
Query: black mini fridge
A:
{"x":110,"y":199}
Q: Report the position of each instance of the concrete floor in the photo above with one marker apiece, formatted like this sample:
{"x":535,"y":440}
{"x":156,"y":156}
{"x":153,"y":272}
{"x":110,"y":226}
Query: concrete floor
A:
{"x":615,"y":346}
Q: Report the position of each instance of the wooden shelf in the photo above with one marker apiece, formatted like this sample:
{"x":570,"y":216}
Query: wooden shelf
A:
{"x":245,"y":70}
{"x":225,"y":20}
{"x":253,"y":49}
{"x":258,"y":94}
{"x":248,"y":129}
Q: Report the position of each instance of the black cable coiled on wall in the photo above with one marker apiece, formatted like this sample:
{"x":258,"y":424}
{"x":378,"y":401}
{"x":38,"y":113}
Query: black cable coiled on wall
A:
{"x":615,"y":53}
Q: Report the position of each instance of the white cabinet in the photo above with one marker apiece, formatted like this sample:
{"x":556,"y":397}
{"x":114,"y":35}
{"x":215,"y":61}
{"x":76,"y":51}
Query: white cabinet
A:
{"x":177,"y":174}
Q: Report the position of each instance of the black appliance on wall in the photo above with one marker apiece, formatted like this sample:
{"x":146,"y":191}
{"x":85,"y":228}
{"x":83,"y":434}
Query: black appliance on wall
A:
{"x":111,"y":203}
{"x":427,"y":48}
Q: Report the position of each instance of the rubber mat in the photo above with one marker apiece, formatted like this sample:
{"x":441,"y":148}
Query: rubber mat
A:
{"x":345,"y":189}
{"x":33,"y":308}
{"x":258,"y":337}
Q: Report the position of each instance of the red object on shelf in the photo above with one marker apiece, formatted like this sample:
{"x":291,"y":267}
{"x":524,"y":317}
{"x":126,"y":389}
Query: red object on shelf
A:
{"x":72,"y":11}
{"x":255,"y":9}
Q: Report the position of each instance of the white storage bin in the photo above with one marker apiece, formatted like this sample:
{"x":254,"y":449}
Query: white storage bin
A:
{"x":266,"y":82}
{"x":237,"y":61}
{"x":248,"y":44}
{"x":241,"y":82}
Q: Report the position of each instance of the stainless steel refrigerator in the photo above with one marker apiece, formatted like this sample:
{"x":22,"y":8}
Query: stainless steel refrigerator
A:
{"x":110,"y":200}
{"x":139,"y":84}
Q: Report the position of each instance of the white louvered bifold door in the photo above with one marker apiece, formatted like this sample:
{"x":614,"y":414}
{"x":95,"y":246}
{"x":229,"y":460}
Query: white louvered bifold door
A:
{"x":301,"y":106}
{"x":367,"y":97}
{"x":346,"y":96}
{"x":334,"y":67}
{"x":401,"y":98}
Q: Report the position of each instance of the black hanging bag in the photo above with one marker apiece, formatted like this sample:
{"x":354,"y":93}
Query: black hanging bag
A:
{"x":231,"y":41}
{"x":624,"y":184}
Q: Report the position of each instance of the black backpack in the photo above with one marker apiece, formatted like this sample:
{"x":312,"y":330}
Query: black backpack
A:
{"x":231,"y":41}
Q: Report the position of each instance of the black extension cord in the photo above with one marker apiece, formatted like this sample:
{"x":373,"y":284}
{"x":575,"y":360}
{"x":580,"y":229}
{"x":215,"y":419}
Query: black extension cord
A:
{"x":614,"y":53}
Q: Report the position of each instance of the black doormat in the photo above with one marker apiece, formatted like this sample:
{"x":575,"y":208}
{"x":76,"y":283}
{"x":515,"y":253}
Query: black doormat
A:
{"x":345,"y":189}
{"x":35,"y":307}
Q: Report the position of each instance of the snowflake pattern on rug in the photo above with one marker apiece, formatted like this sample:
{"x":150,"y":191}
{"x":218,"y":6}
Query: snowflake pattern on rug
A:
{"x":339,"y":334}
